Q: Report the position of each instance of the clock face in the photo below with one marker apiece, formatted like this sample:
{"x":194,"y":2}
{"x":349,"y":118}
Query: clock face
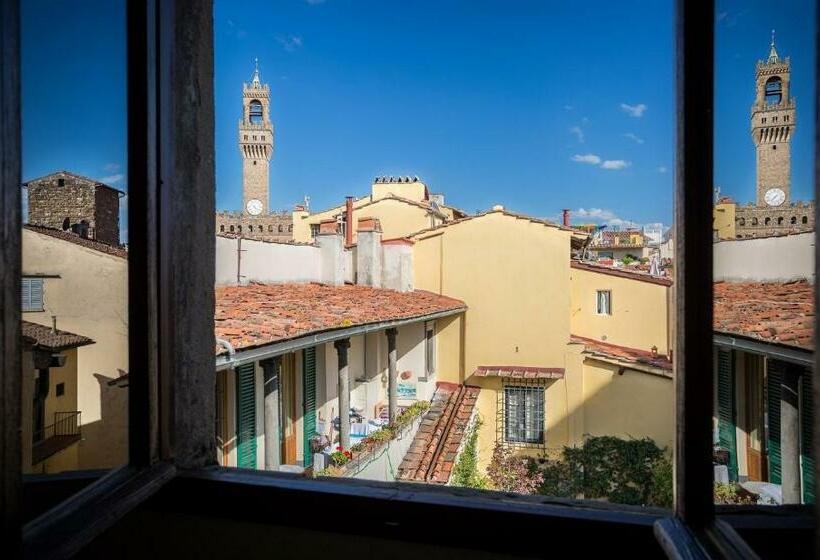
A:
{"x":774,"y":197}
{"x":254,"y":207}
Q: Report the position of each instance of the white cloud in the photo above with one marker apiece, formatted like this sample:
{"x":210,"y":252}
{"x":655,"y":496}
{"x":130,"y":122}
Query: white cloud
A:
{"x":110,"y":179}
{"x":568,"y":107}
{"x":634,"y":137}
{"x":578,"y":133}
{"x":662,"y":169}
{"x":290,"y":43}
{"x":591,"y":159}
{"x":601,"y":216}
{"x":111,"y":167}
{"x":615,"y":164}
{"x":636,"y":111}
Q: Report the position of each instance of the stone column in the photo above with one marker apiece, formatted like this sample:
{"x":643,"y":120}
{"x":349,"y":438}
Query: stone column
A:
{"x":271,"y":368}
{"x":392,"y":379}
{"x":344,"y":392}
{"x":790,"y":435}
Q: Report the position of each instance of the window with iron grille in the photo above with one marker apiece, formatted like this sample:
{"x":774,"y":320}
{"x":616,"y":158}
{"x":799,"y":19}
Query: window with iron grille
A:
{"x":32,"y":294}
{"x":523,"y":414}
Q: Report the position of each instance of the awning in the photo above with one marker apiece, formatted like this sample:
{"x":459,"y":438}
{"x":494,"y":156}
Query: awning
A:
{"x":519,"y":372}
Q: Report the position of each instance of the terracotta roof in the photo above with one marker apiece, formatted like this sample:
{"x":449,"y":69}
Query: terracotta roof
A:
{"x":434,"y":450}
{"x":623,"y":353}
{"x":774,"y":312}
{"x":76,"y":176}
{"x":260,"y":314}
{"x":519,"y":372}
{"x":115,"y":250}
{"x":44,"y":337}
{"x":623,"y":273}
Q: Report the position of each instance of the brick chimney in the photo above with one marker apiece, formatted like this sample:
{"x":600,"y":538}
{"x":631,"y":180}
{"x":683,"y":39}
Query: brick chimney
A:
{"x":349,"y":221}
{"x":566,"y":217}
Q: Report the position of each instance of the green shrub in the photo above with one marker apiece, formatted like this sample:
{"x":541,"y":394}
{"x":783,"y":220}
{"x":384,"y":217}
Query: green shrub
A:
{"x":465,"y":472}
{"x":732,"y":493}
{"x":634,"y":471}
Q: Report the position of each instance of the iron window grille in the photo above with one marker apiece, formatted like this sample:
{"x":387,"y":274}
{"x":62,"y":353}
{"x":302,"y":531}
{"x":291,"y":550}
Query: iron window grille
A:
{"x":521,"y":418}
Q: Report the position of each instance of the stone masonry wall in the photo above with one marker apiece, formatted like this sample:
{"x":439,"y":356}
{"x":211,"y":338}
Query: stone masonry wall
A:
{"x":265,"y":227}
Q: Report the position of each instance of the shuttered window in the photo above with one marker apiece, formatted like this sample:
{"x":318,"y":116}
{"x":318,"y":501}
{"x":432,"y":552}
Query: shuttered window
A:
{"x":309,"y":401}
{"x":806,"y":435}
{"x":774,"y":373}
{"x":31,"y":294}
{"x":727,"y":435}
{"x":245,"y":417}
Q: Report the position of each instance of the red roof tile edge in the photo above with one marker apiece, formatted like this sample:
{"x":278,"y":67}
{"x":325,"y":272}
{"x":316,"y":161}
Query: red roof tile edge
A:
{"x":520,"y":372}
{"x":630,"y":274}
{"x":623,"y":353}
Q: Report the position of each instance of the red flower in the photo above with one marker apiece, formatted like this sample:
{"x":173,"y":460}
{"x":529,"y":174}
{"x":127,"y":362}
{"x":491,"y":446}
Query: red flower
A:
{"x":338,"y":448}
{"x":348,"y":454}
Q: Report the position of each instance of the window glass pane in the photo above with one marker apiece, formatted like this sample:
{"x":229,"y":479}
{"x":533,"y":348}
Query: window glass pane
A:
{"x":764,"y":254}
{"x":393,"y":255}
{"x":75,"y":235}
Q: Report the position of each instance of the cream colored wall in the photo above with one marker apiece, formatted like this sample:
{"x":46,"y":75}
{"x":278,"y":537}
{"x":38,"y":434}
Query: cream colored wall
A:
{"x":633,"y":405}
{"x":639,"y":311}
{"x":397,"y":218}
{"x":89,"y":298}
{"x":448,"y":349}
{"x":724,"y":220}
{"x":514,"y":277}
{"x":413,"y":191}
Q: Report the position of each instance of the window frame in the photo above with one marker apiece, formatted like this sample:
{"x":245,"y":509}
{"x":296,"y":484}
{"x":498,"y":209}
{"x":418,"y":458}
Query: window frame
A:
{"x":608,"y":311}
{"x":26,"y":308}
{"x":170,"y":66}
{"x":521,"y":390}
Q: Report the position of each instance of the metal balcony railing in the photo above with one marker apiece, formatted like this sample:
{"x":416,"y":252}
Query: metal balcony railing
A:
{"x":64,"y":432}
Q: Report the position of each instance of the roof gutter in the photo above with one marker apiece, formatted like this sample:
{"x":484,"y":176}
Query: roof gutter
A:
{"x":292,"y":345}
{"x":777,"y":351}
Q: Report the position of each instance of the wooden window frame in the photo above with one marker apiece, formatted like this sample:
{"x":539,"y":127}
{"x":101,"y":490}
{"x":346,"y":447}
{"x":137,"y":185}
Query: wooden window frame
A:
{"x":171,"y":385}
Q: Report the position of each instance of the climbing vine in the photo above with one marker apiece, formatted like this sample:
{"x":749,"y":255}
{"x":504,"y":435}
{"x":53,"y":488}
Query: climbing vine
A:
{"x":465,"y":473}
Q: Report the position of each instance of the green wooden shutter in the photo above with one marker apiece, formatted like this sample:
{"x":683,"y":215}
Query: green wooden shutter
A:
{"x":807,"y":432}
{"x":245,"y":417}
{"x":774,"y":377}
{"x":309,"y":398}
{"x":727,"y":434}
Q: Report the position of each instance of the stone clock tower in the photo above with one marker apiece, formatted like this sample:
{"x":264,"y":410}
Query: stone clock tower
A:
{"x":256,"y":145}
{"x":256,"y":220}
{"x":773,"y":122}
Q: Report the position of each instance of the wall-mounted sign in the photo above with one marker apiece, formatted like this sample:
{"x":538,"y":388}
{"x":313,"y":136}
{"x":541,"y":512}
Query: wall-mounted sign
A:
{"x":406,"y":390}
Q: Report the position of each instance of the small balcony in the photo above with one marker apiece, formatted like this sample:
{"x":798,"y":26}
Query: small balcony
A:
{"x":63,"y":433}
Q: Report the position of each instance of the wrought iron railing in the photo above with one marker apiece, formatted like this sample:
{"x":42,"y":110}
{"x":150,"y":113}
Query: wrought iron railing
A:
{"x":57,"y":436}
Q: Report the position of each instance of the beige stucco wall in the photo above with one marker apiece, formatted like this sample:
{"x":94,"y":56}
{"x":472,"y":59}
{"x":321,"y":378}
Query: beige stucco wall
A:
{"x":724,"y":220}
{"x":640,"y":311}
{"x":513,"y":275}
{"x":768,"y":259}
{"x":89,"y":298}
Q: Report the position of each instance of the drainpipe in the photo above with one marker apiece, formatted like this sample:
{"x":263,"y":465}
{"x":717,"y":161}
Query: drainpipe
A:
{"x":349,"y":221}
{"x":227,"y":346}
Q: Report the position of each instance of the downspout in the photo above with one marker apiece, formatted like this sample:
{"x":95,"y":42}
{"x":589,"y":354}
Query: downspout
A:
{"x":227,"y":346}
{"x":239,"y":261}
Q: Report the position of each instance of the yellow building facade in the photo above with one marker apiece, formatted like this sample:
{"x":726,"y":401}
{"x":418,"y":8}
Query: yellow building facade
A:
{"x":723,"y":220}
{"x":528,"y":307}
{"x":402,"y":205}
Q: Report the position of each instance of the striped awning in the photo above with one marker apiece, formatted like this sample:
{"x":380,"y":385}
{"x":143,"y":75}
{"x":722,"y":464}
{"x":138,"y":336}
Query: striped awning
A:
{"x":519,"y":372}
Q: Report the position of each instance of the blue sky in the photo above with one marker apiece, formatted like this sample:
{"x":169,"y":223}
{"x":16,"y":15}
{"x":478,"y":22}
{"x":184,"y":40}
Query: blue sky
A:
{"x":537,"y":106}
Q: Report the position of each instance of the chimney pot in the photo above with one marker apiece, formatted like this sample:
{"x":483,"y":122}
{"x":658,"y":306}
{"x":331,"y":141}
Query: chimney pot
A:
{"x":566,"y":217}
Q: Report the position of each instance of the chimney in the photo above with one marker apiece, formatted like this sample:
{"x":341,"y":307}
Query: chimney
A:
{"x":566,"y":217}
{"x":369,"y":253}
{"x":331,"y":247}
{"x":349,"y":221}
{"x":54,"y":324}
{"x":397,"y":273}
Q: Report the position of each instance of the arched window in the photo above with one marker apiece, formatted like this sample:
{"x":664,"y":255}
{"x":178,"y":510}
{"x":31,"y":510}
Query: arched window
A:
{"x":742,"y":221}
{"x":270,"y":229}
{"x":794,"y":220}
{"x":290,"y":227}
{"x":780,"y":221}
{"x":255,"y":112}
{"x":805,"y":219}
{"x":231,"y":229}
{"x":768,"y":221}
{"x":222,"y":228}
{"x":280,"y":228}
{"x":239,"y":229}
{"x":774,"y":90}
{"x":754,"y":221}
